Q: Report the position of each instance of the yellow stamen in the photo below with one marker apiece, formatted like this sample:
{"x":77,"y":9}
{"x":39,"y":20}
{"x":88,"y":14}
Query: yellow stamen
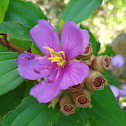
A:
{"x":62,"y":53}
{"x":58,"y":57}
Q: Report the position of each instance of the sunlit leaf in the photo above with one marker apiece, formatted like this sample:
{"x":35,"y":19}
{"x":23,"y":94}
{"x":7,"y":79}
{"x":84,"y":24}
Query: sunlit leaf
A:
{"x":3,"y":8}
{"x":21,"y":16}
{"x":79,"y":10}
{"x":25,"y":13}
{"x":108,"y":51}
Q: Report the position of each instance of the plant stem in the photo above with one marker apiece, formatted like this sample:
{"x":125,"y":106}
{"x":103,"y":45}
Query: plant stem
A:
{"x":9,"y":45}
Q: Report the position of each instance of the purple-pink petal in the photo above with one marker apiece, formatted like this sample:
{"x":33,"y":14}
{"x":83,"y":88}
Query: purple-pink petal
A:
{"x":121,"y":105}
{"x":33,"y":66}
{"x":74,"y":73}
{"x":122,"y":92}
{"x":115,"y":90}
{"x":47,"y":89}
{"x":44,"y":34}
{"x":73,"y":40}
{"x":123,"y":86}
{"x":118,"y":61}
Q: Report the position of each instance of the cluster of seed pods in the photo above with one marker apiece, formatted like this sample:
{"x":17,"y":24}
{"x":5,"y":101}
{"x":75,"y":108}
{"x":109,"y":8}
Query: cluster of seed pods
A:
{"x":79,"y":95}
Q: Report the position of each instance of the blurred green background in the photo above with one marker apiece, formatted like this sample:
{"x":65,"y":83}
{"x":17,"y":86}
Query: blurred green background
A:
{"x":105,"y":23}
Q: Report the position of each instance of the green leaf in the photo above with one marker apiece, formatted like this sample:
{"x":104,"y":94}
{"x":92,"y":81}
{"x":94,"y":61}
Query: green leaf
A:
{"x":79,"y":10}
{"x":111,"y":80}
{"x":31,"y":113}
{"x":79,"y":118}
{"x":9,"y":77}
{"x":29,"y":85}
{"x":12,"y":99}
{"x":95,"y":123}
{"x":21,"y":43}
{"x":35,"y":50}
{"x":21,"y":16}
{"x":25,"y":13}
{"x":61,"y":23}
{"x":1,"y":120}
{"x":3,"y":8}
{"x":3,"y":49}
{"x":18,"y":31}
{"x":108,"y":51}
{"x":106,"y":108}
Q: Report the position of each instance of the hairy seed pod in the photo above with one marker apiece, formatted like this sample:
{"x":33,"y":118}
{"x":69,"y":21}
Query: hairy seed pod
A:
{"x":87,"y":54}
{"x":67,"y":106}
{"x":77,"y":87}
{"x":95,"y":81}
{"x":82,"y":98}
{"x":101,"y":63}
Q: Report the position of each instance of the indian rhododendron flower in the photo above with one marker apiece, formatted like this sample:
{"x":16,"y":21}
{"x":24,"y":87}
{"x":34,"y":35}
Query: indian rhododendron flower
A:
{"x":117,"y":61}
{"x":59,"y":67}
{"x":119,"y":92}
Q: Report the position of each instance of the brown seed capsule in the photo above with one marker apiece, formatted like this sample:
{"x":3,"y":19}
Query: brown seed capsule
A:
{"x":95,"y":81}
{"x":53,"y":102}
{"x":82,"y":98}
{"x":77,"y":87}
{"x":87,"y":54}
{"x":88,"y":62}
{"x":101,"y":63}
{"x":67,"y":106}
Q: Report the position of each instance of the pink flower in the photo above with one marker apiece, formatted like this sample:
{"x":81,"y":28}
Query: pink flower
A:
{"x":119,"y":92}
{"x":118,"y":61}
{"x":58,"y":66}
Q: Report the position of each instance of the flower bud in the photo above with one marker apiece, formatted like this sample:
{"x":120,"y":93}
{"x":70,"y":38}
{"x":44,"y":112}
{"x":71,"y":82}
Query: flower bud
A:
{"x":77,"y":87}
{"x":101,"y":63}
{"x":61,"y":23}
{"x":87,"y":54}
{"x":67,"y":106}
{"x":95,"y":81}
{"x":82,"y":98}
{"x":56,"y":99}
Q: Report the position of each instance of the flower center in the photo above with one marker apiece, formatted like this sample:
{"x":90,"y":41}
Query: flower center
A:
{"x":58,"y":57}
